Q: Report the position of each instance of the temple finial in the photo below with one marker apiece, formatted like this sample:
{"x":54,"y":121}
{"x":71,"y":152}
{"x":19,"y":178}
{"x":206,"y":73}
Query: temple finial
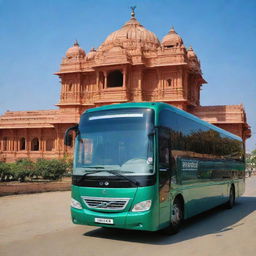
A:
{"x":76,"y":43}
{"x":133,"y":13}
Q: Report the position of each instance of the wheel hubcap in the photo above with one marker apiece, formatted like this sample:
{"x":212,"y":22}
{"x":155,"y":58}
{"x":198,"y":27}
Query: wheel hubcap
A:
{"x":176,"y":214}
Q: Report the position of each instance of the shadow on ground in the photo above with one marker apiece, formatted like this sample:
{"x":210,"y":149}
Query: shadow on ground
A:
{"x":216,"y":221}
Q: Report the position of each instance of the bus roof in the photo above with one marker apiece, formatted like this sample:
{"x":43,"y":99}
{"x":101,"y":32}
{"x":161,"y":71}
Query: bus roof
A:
{"x":158,"y":106}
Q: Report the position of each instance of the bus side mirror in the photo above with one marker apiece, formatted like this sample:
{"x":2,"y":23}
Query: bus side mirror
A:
{"x":68,"y":137}
{"x":152,"y":133}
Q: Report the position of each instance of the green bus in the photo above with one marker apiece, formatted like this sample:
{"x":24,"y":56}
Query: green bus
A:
{"x":148,"y":166}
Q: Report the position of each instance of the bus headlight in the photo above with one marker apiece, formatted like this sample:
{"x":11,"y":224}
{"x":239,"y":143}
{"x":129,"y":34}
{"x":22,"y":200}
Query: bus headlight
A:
{"x":75,"y":204}
{"x":142,"y":206}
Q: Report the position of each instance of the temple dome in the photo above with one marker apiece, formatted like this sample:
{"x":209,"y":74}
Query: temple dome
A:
{"x":172,"y":39}
{"x":75,"y":51}
{"x":131,"y":35}
{"x":91,"y":54}
{"x":190,"y":52}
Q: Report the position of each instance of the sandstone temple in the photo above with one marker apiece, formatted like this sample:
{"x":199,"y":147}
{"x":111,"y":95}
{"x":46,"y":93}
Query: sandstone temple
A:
{"x":131,"y":65}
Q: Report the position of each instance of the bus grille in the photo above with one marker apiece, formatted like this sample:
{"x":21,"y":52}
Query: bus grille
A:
{"x":105,"y":203}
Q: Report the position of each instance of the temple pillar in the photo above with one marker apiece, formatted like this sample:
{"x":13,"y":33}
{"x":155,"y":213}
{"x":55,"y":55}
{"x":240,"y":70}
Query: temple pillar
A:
{"x":75,"y":93}
{"x":28,"y":145}
{"x":18,"y":143}
{"x":15,"y":143}
{"x":105,"y":79}
{"x":185,"y":85}
{"x":15,"y":146}
{"x":98,"y":83}
{"x":124,"y":77}
{"x":157,"y":96}
{"x":57,"y":140}
{"x":12,"y":142}
{"x":1,"y":144}
{"x":140,"y":93}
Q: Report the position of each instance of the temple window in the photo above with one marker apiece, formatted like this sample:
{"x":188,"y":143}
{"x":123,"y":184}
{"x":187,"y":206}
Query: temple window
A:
{"x":70,"y":87}
{"x":169,"y":82}
{"x":169,"y":46}
{"x":49,"y":145}
{"x":22,"y":143}
{"x":115,"y":79}
{"x":5,"y":140}
{"x":35,"y":144}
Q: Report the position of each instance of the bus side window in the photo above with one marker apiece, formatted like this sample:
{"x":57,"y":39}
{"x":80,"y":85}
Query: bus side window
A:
{"x":164,"y":148}
{"x":164,"y":159}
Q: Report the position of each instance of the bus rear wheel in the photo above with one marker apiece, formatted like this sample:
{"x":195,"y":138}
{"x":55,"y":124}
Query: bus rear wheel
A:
{"x":231,"y":199}
{"x":176,"y":217}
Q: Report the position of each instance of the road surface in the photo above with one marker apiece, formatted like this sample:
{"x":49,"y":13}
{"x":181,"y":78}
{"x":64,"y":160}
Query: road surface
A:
{"x":39,"y":224}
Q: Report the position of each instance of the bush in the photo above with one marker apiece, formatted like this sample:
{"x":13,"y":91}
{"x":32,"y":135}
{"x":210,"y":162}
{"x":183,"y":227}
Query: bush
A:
{"x":22,"y":169}
{"x":69,"y":163}
{"x":6,"y":172}
{"x":51,"y":169}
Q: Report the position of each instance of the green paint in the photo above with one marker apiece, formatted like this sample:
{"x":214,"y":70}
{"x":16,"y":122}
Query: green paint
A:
{"x":202,"y":182}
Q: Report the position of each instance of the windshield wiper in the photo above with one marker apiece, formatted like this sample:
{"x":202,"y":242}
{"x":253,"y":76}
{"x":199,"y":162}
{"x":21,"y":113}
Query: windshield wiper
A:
{"x":82,"y":178}
{"x":95,"y":167}
{"x":117,"y":173}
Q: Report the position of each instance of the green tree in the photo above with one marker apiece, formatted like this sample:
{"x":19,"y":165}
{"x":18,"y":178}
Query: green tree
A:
{"x":251,"y":160}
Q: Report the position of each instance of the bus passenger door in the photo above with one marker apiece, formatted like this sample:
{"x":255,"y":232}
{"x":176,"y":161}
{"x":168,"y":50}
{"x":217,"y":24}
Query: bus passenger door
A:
{"x":164,"y":172}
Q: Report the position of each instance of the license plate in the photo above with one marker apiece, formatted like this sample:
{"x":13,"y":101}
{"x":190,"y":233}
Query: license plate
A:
{"x":104,"y":221}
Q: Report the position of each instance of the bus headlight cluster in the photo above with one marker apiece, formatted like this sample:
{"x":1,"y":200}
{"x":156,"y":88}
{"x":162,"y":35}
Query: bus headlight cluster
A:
{"x":142,"y":206}
{"x":75,"y":204}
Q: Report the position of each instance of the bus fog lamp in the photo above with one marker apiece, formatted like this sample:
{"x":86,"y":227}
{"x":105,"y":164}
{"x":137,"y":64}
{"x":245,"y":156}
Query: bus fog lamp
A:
{"x":142,"y":206}
{"x":75,"y":204}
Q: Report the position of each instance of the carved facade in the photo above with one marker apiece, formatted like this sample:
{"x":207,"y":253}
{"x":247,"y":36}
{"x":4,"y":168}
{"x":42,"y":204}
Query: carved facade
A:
{"x":131,"y":65}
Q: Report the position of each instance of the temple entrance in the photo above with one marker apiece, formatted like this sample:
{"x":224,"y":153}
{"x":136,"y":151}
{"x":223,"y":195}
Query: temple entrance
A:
{"x":115,"y":79}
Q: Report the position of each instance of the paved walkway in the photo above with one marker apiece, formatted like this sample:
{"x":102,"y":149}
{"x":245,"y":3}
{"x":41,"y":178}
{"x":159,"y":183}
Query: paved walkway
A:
{"x":39,"y":224}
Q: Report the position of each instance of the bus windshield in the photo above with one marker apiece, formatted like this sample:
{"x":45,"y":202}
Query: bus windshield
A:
{"x":115,"y":140}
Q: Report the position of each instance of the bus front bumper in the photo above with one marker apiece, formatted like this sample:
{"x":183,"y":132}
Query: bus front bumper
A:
{"x":123,"y":220}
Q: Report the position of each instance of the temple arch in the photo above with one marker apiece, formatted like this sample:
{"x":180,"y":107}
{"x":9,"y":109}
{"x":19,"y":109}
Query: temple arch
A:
{"x":169,"y":82}
{"x":5,"y":144}
{"x":49,"y":145}
{"x":22,"y":143}
{"x":35,"y":144}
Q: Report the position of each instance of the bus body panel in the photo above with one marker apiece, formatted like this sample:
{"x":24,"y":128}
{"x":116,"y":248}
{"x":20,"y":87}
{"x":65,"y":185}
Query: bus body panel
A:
{"x":122,"y":218}
{"x":202,"y":187}
{"x":206,"y":179}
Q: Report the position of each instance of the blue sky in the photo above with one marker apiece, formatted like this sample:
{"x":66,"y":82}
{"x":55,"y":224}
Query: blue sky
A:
{"x":34,"y":36}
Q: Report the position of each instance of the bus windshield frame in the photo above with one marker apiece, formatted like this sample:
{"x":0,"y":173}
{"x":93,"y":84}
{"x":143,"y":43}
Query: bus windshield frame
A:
{"x":118,"y":140}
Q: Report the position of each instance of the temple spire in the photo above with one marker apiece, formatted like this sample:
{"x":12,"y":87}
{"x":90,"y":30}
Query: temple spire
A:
{"x":133,"y":13}
{"x":172,"y":30}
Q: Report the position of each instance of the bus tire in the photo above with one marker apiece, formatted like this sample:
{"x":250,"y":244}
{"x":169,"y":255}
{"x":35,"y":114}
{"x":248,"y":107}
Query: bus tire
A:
{"x":231,"y":198}
{"x":176,"y":217}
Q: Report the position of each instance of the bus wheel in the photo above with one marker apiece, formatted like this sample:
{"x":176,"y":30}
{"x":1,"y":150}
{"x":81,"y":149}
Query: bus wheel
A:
{"x":231,"y":199}
{"x":176,"y":217}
